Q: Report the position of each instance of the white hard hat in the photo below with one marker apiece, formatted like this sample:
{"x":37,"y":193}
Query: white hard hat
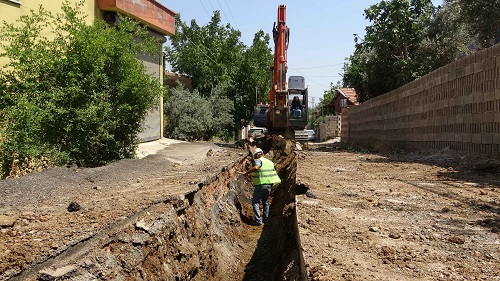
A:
{"x":258,"y":150}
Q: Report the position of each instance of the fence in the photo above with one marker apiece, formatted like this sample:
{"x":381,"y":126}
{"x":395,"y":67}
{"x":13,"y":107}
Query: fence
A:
{"x":456,"y":106}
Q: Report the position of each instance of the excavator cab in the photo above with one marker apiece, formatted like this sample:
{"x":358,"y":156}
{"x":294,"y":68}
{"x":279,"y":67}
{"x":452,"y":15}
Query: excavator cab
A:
{"x":297,"y":100}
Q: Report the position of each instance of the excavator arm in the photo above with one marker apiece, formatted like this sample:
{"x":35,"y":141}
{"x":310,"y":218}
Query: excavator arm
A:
{"x":282,"y":118}
{"x":278,"y":107}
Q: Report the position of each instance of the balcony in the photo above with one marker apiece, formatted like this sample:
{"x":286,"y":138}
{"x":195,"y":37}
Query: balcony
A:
{"x":148,"y":12}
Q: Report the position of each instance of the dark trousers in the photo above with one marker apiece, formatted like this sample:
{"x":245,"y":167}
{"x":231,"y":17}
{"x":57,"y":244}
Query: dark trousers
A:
{"x":261,"y":193}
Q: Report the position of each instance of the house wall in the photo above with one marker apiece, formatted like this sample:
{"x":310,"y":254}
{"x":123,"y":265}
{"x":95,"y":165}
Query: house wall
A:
{"x":338,"y":109}
{"x":11,"y":11}
{"x":456,"y":106}
{"x":158,"y":17}
{"x":153,"y":124}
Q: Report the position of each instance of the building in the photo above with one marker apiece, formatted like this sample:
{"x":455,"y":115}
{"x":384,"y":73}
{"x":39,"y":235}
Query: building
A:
{"x":331,"y":124}
{"x":159,"y":19}
{"x":344,"y":97}
{"x":171,"y":79}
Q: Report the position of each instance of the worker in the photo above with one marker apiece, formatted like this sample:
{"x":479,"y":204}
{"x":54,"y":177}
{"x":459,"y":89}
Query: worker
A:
{"x":264,"y":177}
{"x":296,"y":107}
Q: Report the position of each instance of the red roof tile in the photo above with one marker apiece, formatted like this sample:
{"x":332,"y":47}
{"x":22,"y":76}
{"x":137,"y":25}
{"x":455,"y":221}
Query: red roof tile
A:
{"x":350,"y":94}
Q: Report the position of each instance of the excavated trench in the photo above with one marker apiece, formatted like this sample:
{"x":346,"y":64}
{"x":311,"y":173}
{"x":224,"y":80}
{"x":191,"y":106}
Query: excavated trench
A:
{"x":203,"y":235}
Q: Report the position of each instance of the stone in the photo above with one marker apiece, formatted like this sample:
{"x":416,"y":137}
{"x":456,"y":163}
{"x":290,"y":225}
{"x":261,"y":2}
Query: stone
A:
{"x":373,"y":229}
{"x":7,"y":221}
{"x":142,"y":225}
{"x":394,"y":235}
{"x":140,"y":238}
{"x":410,"y":266}
{"x":73,"y":207}
{"x":457,"y":239}
{"x":298,"y":147}
{"x":57,"y":274}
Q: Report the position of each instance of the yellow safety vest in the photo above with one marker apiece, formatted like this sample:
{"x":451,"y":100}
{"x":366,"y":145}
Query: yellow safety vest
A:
{"x":266,"y":174}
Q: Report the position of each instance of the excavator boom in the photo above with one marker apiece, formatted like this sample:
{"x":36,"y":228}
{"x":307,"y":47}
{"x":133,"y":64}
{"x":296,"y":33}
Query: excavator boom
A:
{"x":285,"y":116}
{"x":280,"y":36}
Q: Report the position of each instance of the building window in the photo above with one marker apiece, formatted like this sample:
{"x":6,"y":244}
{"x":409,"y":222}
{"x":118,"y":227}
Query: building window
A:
{"x":343,"y":103}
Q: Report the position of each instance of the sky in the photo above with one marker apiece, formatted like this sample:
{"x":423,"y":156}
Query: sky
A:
{"x":321,"y":31}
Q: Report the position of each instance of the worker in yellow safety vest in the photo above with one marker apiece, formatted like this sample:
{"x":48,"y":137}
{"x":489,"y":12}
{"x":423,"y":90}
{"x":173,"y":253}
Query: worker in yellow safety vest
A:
{"x":264,"y":177}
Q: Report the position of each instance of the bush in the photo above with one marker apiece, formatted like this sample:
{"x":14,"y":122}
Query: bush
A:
{"x":80,"y":97}
{"x":190,"y":116}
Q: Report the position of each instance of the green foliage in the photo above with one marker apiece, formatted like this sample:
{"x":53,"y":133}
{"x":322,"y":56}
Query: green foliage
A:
{"x":482,"y":19}
{"x":255,"y":70}
{"x":213,"y":55}
{"x":319,"y":112}
{"x":410,"y":38}
{"x":386,"y":58}
{"x":80,"y":96}
{"x":445,"y":39}
{"x":190,"y":116}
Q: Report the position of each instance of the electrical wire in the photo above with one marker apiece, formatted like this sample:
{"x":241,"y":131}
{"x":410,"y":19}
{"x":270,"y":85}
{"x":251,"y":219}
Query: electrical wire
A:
{"x":223,"y":12}
{"x":319,"y":66}
{"x":235,"y":24}
{"x":213,"y":9}
{"x":311,"y":79}
{"x":205,"y":9}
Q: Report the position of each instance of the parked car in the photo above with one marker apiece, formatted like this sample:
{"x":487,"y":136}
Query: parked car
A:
{"x":311,"y":135}
{"x":260,"y":115}
{"x":256,"y":132}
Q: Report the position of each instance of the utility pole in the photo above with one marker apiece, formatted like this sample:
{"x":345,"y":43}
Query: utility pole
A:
{"x":256,"y":99}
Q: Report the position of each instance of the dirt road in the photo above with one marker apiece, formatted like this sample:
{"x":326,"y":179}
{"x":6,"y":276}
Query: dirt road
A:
{"x":399,"y":217}
{"x":402,"y":217}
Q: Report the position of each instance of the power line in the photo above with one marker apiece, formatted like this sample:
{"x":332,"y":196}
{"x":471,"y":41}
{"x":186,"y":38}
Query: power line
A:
{"x":222,"y":9}
{"x":205,"y":9}
{"x":231,"y":15}
{"x":319,"y":66}
{"x":213,"y":9}
{"x":311,"y":79}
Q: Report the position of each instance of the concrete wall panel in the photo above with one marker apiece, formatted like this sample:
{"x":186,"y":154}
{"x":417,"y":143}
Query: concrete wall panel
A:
{"x":456,"y":106}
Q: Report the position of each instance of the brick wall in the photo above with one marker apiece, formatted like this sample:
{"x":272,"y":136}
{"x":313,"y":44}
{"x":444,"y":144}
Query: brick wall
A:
{"x":456,"y":106}
{"x":329,"y":128}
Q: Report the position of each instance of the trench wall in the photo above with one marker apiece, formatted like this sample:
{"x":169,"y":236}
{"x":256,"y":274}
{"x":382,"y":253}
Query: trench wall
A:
{"x":194,"y":236}
{"x":456,"y":106}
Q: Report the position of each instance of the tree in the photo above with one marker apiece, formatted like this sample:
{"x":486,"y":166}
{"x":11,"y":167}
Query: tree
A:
{"x":385,"y":59}
{"x":482,"y":19}
{"x":254,"y":75}
{"x":80,"y":97}
{"x":319,"y":112}
{"x":190,"y":116}
{"x":445,"y":39}
{"x":209,"y":54}
{"x":213,"y":55}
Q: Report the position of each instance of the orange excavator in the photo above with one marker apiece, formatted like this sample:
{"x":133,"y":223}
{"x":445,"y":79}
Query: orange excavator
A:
{"x":288,"y":106}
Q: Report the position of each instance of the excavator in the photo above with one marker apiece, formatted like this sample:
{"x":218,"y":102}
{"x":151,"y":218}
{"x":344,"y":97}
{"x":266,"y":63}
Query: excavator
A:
{"x":287,"y":111}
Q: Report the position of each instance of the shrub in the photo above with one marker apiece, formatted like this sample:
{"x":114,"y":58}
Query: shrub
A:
{"x":190,"y":116}
{"x":79,"y":97}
